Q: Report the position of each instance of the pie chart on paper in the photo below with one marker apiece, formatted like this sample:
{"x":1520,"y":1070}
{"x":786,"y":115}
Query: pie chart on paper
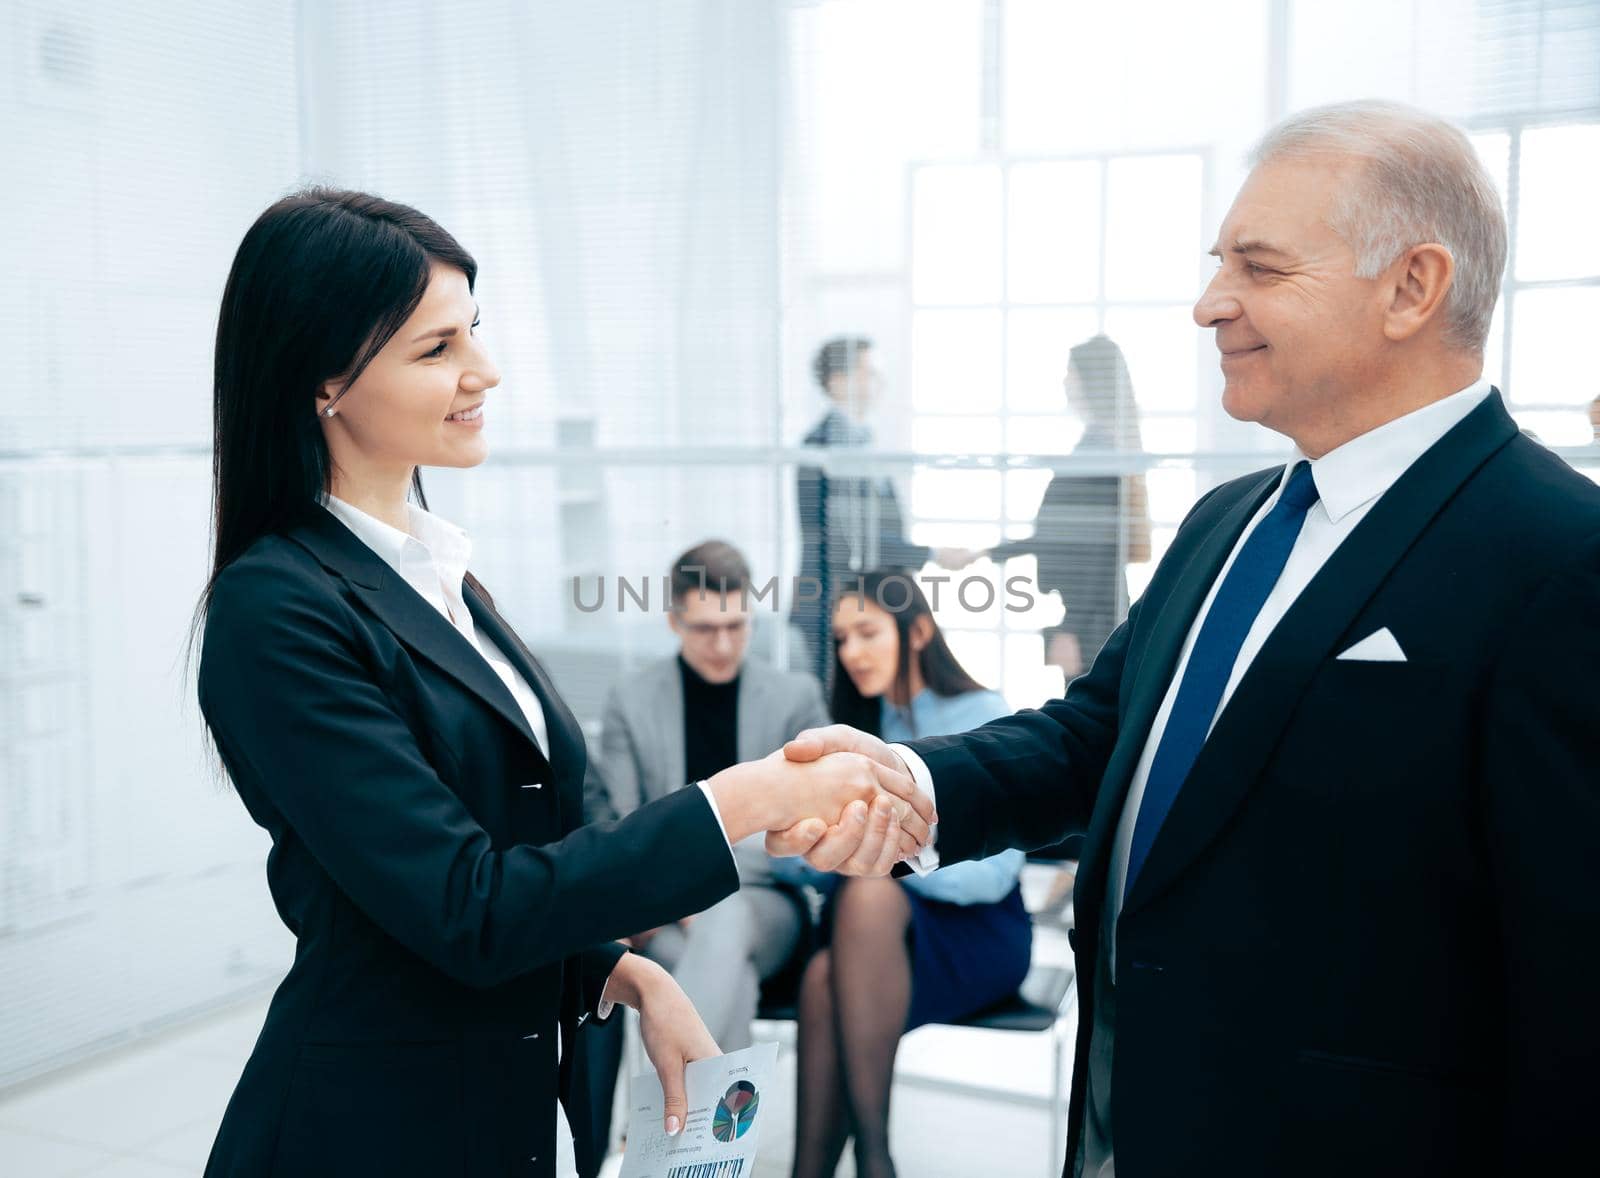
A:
{"x":736,"y":1112}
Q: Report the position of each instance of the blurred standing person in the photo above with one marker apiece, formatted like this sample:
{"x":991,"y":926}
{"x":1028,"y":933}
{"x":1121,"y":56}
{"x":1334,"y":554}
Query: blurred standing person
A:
{"x":847,"y":523}
{"x":1089,"y":528}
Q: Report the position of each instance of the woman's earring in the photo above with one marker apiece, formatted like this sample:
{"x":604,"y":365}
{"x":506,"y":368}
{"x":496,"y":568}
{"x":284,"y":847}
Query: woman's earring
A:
{"x":328,"y":412}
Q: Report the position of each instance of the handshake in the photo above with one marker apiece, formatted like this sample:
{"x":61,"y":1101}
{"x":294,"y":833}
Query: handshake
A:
{"x":836,"y":795}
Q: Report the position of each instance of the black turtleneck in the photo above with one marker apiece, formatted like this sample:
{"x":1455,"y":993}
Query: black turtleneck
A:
{"x":710,"y":723}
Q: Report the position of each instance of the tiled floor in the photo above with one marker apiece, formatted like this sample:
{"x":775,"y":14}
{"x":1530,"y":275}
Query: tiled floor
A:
{"x":149,"y":1110}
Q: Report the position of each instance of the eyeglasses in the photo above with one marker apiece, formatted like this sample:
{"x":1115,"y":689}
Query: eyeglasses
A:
{"x":706,"y":631}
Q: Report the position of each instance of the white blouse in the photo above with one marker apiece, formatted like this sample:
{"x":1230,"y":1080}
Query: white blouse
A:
{"x":432,"y":558}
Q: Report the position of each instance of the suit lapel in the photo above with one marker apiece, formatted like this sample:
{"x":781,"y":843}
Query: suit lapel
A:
{"x":1155,"y":656}
{"x":753,"y":709}
{"x":1250,"y":725}
{"x":416,"y":623}
{"x":568,"y":754}
{"x":674,"y":754}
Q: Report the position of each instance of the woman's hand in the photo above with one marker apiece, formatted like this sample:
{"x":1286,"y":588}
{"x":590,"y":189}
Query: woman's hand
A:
{"x":1066,"y":653}
{"x":671,"y":1028}
{"x":862,"y":842}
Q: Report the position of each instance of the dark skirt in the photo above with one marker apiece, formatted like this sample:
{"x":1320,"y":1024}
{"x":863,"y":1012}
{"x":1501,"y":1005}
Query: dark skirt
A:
{"x":965,"y":957}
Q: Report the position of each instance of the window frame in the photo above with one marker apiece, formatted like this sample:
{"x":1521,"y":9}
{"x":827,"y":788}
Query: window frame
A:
{"x":1514,"y":127}
{"x":1162,"y":528}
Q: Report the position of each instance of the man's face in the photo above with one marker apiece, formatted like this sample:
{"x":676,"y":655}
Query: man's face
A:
{"x":714,"y":629}
{"x":857,"y":388}
{"x":1296,"y":328}
{"x":1594,"y":417}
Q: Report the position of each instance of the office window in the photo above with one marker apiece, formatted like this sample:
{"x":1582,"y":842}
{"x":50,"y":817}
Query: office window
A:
{"x":1540,"y":349}
{"x":1012,"y":263}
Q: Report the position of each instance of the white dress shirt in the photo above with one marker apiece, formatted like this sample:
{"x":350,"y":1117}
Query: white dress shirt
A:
{"x":1349,"y":481}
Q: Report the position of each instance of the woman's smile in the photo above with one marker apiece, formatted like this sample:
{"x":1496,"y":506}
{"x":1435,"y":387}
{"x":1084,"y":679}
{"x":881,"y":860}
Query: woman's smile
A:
{"x":471,"y":418}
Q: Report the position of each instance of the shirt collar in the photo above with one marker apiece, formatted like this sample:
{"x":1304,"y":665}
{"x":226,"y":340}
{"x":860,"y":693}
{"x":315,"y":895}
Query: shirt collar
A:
{"x":448,"y":544}
{"x":387,"y":541}
{"x":917,"y":704}
{"x":431,"y":540}
{"x":843,"y":430}
{"x":1365,"y":467}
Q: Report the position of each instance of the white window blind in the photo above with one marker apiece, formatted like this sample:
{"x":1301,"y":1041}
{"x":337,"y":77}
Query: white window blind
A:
{"x":141,"y":140}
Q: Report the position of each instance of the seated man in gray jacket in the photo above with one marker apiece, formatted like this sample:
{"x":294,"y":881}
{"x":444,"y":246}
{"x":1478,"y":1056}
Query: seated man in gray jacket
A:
{"x":683,"y":719}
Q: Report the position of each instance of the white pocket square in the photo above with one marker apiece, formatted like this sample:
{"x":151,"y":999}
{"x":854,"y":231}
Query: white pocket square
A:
{"x":1378,"y":647}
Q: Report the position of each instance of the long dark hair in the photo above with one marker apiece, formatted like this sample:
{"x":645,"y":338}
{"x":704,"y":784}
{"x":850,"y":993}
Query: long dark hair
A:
{"x":321,"y":282}
{"x":897,"y":592}
{"x":1109,"y":408}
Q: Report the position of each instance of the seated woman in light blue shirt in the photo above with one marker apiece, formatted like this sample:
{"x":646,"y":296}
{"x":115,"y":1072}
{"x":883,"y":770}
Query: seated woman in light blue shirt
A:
{"x":901,"y":953}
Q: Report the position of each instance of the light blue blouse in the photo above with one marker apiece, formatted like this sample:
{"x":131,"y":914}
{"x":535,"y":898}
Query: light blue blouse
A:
{"x":981,"y":881}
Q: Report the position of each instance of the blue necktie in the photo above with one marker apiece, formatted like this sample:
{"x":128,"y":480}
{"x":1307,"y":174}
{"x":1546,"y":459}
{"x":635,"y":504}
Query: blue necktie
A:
{"x":1244,"y":590}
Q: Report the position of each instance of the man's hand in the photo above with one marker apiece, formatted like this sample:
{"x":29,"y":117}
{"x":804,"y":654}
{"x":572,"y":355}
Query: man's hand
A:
{"x":815,"y":743}
{"x":640,"y":940}
{"x":863,"y":842}
{"x":779,"y":792}
{"x":954,"y":559}
{"x":1065,"y":652}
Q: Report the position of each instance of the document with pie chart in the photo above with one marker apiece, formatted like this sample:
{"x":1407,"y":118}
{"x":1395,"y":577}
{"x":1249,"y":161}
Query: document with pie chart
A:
{"x":723,"y":1126}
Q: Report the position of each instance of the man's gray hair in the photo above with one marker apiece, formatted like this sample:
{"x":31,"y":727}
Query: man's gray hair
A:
{"x":1421,"y":182}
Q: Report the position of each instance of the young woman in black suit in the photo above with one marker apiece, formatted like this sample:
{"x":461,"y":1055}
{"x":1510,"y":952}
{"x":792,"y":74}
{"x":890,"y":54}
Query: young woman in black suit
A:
{"x":419,"y":776}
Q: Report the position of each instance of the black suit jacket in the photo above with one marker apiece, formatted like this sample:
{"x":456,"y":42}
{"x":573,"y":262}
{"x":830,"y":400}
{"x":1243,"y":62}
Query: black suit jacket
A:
{"x":1077,"y":538}
{"x":448,"y":909}
{"x":1365,"y":938}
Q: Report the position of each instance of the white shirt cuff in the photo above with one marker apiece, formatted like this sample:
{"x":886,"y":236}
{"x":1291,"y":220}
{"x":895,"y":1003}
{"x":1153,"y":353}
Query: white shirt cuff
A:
{"x":928,"y":860}
{"x":607,"y":1004}
{"x":705,"y":788}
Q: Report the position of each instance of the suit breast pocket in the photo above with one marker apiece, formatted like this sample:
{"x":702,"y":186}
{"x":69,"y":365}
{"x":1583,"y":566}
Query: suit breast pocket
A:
{"x":1365,"y":726}
{"x":374,"y":1108}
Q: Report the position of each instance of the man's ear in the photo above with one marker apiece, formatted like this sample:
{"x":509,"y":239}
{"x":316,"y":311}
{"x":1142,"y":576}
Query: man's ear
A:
{"x":1418,"y":284}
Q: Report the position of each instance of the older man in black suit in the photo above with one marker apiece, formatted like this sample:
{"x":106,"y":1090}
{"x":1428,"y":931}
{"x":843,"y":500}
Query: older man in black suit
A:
{"x":1340,"y":768}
